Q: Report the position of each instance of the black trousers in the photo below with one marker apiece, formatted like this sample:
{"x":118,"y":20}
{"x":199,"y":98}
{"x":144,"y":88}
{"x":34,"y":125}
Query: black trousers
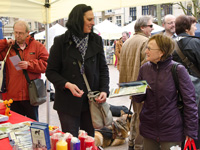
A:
{"x":26,"y":109}
{"x":73,"y":124}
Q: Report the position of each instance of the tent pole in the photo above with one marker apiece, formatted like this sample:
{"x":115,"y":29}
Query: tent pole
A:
{"x":47,"y":47}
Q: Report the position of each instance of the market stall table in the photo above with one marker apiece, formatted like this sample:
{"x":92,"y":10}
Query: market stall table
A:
{"x":13,"y":119}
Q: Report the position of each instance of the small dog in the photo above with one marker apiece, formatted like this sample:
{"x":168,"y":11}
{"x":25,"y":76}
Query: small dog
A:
{"x":114,"y":134}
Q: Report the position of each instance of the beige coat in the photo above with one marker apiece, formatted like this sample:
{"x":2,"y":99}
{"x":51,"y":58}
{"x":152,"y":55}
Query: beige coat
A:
{"x":132,"y":56}
{"x":118,"y":51}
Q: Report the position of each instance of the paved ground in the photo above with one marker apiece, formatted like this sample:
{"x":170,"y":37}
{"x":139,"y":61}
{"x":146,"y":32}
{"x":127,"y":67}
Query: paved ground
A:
{"x":114,"y":78}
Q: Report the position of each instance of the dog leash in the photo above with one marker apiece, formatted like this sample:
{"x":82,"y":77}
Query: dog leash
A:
{"x":129,"y":111}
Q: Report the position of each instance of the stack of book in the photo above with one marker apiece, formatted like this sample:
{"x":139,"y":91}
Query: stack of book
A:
{"x":40,"y":135}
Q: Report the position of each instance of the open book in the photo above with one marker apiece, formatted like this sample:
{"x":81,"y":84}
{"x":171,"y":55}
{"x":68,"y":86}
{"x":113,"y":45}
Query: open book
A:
{"x":129,"y":88}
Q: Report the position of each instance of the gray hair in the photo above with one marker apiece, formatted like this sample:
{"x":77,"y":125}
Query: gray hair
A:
{"x":167,"y":16}
{"x":22,"y":23}
{"x":125,"y":32}
{"x":141,"y":22}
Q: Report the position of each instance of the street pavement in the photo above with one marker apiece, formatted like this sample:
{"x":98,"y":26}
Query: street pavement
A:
{"x":118,"y":101}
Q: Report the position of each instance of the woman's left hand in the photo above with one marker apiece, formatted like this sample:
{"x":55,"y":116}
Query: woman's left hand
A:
{"x":102,"y":97}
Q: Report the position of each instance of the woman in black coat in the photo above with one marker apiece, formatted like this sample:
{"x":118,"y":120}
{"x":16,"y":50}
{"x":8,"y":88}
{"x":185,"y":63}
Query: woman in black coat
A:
{"x":190,"y":47}
{"x":79,"y":43}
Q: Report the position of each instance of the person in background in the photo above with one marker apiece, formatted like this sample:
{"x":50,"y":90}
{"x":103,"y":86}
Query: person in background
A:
{"x":33,"y":59}
{"x":161,"y":123}
{"x":169,"y":25}
{"x":132,"y":56}
{"x":125,"y":36}
{"x":190,"y":47}
{"x":78,"y":43}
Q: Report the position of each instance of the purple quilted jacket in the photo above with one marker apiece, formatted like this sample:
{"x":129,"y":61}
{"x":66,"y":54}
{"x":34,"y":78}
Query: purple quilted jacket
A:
{"x":160,"y":118}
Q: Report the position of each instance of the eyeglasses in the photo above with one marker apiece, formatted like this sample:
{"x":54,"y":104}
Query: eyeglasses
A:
{"x":20,"y":33}
{"x":170,"y":23}
{"x":151,"y":26}
{"x":147,"y":47}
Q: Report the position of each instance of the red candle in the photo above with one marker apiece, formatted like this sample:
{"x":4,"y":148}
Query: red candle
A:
{"x":82,"y":136}
{"x":54,"y":139}
{"x":89,"y":143}
{"x":68,"y":137}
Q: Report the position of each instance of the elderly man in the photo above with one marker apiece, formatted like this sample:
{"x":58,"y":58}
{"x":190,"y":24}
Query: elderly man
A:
{"x":169,"y":25}
{"x":132,"y":57}
{"x":125,"y":36}
{"x":33,"y":59}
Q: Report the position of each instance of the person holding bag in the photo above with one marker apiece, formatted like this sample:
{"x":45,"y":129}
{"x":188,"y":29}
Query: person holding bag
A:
{"x":33,"y":59}
{"x":78,"y":43}
{"x":188,"y":46}
{"x":161,"y":122}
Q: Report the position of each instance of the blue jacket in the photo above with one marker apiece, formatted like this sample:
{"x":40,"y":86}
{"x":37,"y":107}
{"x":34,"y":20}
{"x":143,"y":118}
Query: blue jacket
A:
{"x":160,"y":118}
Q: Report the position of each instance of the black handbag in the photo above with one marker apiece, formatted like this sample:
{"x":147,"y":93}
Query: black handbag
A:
{"x":176,"y":81}
{"x":36,"y":89}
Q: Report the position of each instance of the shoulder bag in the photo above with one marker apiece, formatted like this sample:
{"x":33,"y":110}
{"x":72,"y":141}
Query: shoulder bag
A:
{"x":100,"y":112}
{"x":176,"y":81}
{"x":3,"y":73}
{"x":36,"y":89}
{"x":194,"y":78}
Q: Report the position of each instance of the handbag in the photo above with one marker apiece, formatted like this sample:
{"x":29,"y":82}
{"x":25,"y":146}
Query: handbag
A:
{"x":100,"y":112}
{"x":36,"y":89}
{"x":190,"y":144}
{"x":195,"y":74}
{"x":3,"y":73}
{"x":176,"y":81}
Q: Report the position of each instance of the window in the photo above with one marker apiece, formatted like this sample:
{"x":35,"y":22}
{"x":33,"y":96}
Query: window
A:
{"x":152,"y":10}
{"x":36,"y":25}
{"x":100,"y":20}
{"x":110,"y":19}
{"x":166,"y":9}
{"x":29,"y":24}
{"x":118,"y":20}
{"x":145,"y":10}
{"x":132,"y":14}
{"x":110,"y":10}
{"x":189,"y":10}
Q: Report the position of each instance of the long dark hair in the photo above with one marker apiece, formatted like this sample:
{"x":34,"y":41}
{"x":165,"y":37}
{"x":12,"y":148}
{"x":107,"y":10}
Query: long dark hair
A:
{"x":75,"y":21}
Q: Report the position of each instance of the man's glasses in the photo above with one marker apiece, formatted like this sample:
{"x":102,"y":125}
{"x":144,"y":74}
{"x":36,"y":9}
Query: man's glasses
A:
{"x":151,"y":26}
{"x":170,"y":23}
{"x":147,"y":47}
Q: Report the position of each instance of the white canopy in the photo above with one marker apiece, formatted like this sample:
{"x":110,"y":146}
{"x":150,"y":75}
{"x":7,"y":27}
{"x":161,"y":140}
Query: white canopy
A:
{"x":54,"y":31}
{"x":130,"y":28}
{"x":57,"y":9}
{"x":108,"y":30}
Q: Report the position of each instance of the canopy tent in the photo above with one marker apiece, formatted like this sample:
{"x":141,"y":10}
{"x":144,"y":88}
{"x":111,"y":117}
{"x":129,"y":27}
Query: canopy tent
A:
{"x":130,"y":28}
{"x":54,"y":31}
{"x":36,"y":9}
{"x":47,"y":11}
{"x":108,"y":30}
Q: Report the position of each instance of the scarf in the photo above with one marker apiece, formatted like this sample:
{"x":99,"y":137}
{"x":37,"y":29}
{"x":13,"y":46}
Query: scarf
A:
{"x":82,"y":45}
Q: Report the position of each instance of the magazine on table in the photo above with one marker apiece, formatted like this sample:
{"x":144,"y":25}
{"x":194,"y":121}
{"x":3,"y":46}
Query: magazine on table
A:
{"x":129,"y":88}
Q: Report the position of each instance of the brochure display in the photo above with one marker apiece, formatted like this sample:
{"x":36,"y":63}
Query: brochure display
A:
{"x":129,"y":88}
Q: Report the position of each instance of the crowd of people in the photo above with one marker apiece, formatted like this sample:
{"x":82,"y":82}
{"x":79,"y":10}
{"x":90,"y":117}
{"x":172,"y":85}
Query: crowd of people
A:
{"x":157,"y":123}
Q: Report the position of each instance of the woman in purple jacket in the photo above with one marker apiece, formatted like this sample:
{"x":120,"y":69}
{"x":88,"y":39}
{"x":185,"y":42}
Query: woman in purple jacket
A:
{"x":161,"y":123}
